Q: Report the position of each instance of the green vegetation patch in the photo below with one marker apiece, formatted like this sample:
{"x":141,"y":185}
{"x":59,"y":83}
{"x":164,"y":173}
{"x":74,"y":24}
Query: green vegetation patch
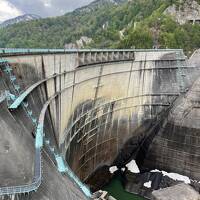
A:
{"x":115,"y":189}
{"x":142,"y":23}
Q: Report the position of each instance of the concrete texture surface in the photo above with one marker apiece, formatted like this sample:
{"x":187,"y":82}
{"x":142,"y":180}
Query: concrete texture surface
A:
{"x":103,"y":105}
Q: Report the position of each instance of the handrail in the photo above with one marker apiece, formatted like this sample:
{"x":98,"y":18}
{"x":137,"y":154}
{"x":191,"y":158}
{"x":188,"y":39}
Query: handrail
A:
{"x":37,"y":171}
{"x":28,"y":187}
{"x":29,"y":51}
{"x":22,"y":96}
{"x":36,"y":181}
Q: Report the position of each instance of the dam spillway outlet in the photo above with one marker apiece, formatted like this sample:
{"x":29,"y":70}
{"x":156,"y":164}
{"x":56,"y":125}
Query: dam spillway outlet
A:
{"x":67,"y":116}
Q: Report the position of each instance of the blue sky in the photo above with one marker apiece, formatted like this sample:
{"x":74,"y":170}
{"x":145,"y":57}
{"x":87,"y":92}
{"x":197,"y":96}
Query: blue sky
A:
{"x":44,"y":8}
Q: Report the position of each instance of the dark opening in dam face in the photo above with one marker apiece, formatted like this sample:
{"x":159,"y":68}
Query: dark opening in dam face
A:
{"x":74,"y":114}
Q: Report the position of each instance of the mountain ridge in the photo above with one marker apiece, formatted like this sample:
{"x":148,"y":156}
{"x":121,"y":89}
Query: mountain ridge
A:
{"x":97,"y":3}
{"x":108,"y":24}
{"x":18,"y":19}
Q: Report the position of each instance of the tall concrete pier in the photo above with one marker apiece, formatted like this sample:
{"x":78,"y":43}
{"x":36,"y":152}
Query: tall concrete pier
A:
{"x":66,"y":113}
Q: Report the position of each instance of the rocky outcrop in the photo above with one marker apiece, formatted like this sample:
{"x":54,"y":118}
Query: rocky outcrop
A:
{"x":176,"y":147}
{"x":195,"y":58}
{"x":177,"y":192}
{"x":82,"y":42}
{"x":98,"y":4}
{"x":22,"y":18}
{"x":189,"y":11}
{"x":102,"y":195}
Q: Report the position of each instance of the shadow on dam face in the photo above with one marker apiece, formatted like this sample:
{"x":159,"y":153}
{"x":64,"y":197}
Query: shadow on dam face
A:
{"x":105,"y":131}
{"x":108,"y":113}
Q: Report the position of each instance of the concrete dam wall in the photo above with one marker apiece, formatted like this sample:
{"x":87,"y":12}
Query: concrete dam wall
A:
{"x":93,"y":108}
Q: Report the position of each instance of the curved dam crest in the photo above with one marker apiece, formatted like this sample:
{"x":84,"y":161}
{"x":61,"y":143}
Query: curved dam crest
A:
{"x":103,"y":103}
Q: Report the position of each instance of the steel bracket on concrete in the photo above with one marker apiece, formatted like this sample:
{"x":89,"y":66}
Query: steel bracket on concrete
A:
{"x":3,"y":61}
{"x":39,"y":136}
{"x":7,"y":69}
{"x":9,"y":97}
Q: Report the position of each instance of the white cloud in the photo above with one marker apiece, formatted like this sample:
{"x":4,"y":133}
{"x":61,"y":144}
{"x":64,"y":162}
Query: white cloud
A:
{"x":47,"y":8}
{"x":8,"y":10}
{"x":47,"y":3}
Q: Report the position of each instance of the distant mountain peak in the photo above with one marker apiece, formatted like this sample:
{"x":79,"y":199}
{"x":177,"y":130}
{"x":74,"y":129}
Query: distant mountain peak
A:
{"x":98,"y":3}
{"x":22,"y":18}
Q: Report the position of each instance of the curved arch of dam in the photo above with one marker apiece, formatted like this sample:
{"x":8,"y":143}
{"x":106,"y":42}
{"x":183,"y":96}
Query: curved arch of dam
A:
{"x":66,"y":113}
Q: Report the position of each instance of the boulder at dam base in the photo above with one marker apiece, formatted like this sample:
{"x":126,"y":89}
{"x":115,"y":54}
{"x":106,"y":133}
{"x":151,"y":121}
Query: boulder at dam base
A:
{"x":177,"y":192}
{"x":146,"y":183}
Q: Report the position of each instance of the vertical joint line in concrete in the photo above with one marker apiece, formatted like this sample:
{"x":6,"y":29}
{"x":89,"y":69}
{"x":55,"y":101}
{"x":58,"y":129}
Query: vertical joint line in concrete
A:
{"x":98,"y":84}
{"x":60,"y":107}
{"x":74,"y":78}
{"x":129,"y":78}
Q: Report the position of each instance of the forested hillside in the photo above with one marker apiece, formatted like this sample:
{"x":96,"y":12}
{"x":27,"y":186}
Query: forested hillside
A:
{"x":125,"y":24}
